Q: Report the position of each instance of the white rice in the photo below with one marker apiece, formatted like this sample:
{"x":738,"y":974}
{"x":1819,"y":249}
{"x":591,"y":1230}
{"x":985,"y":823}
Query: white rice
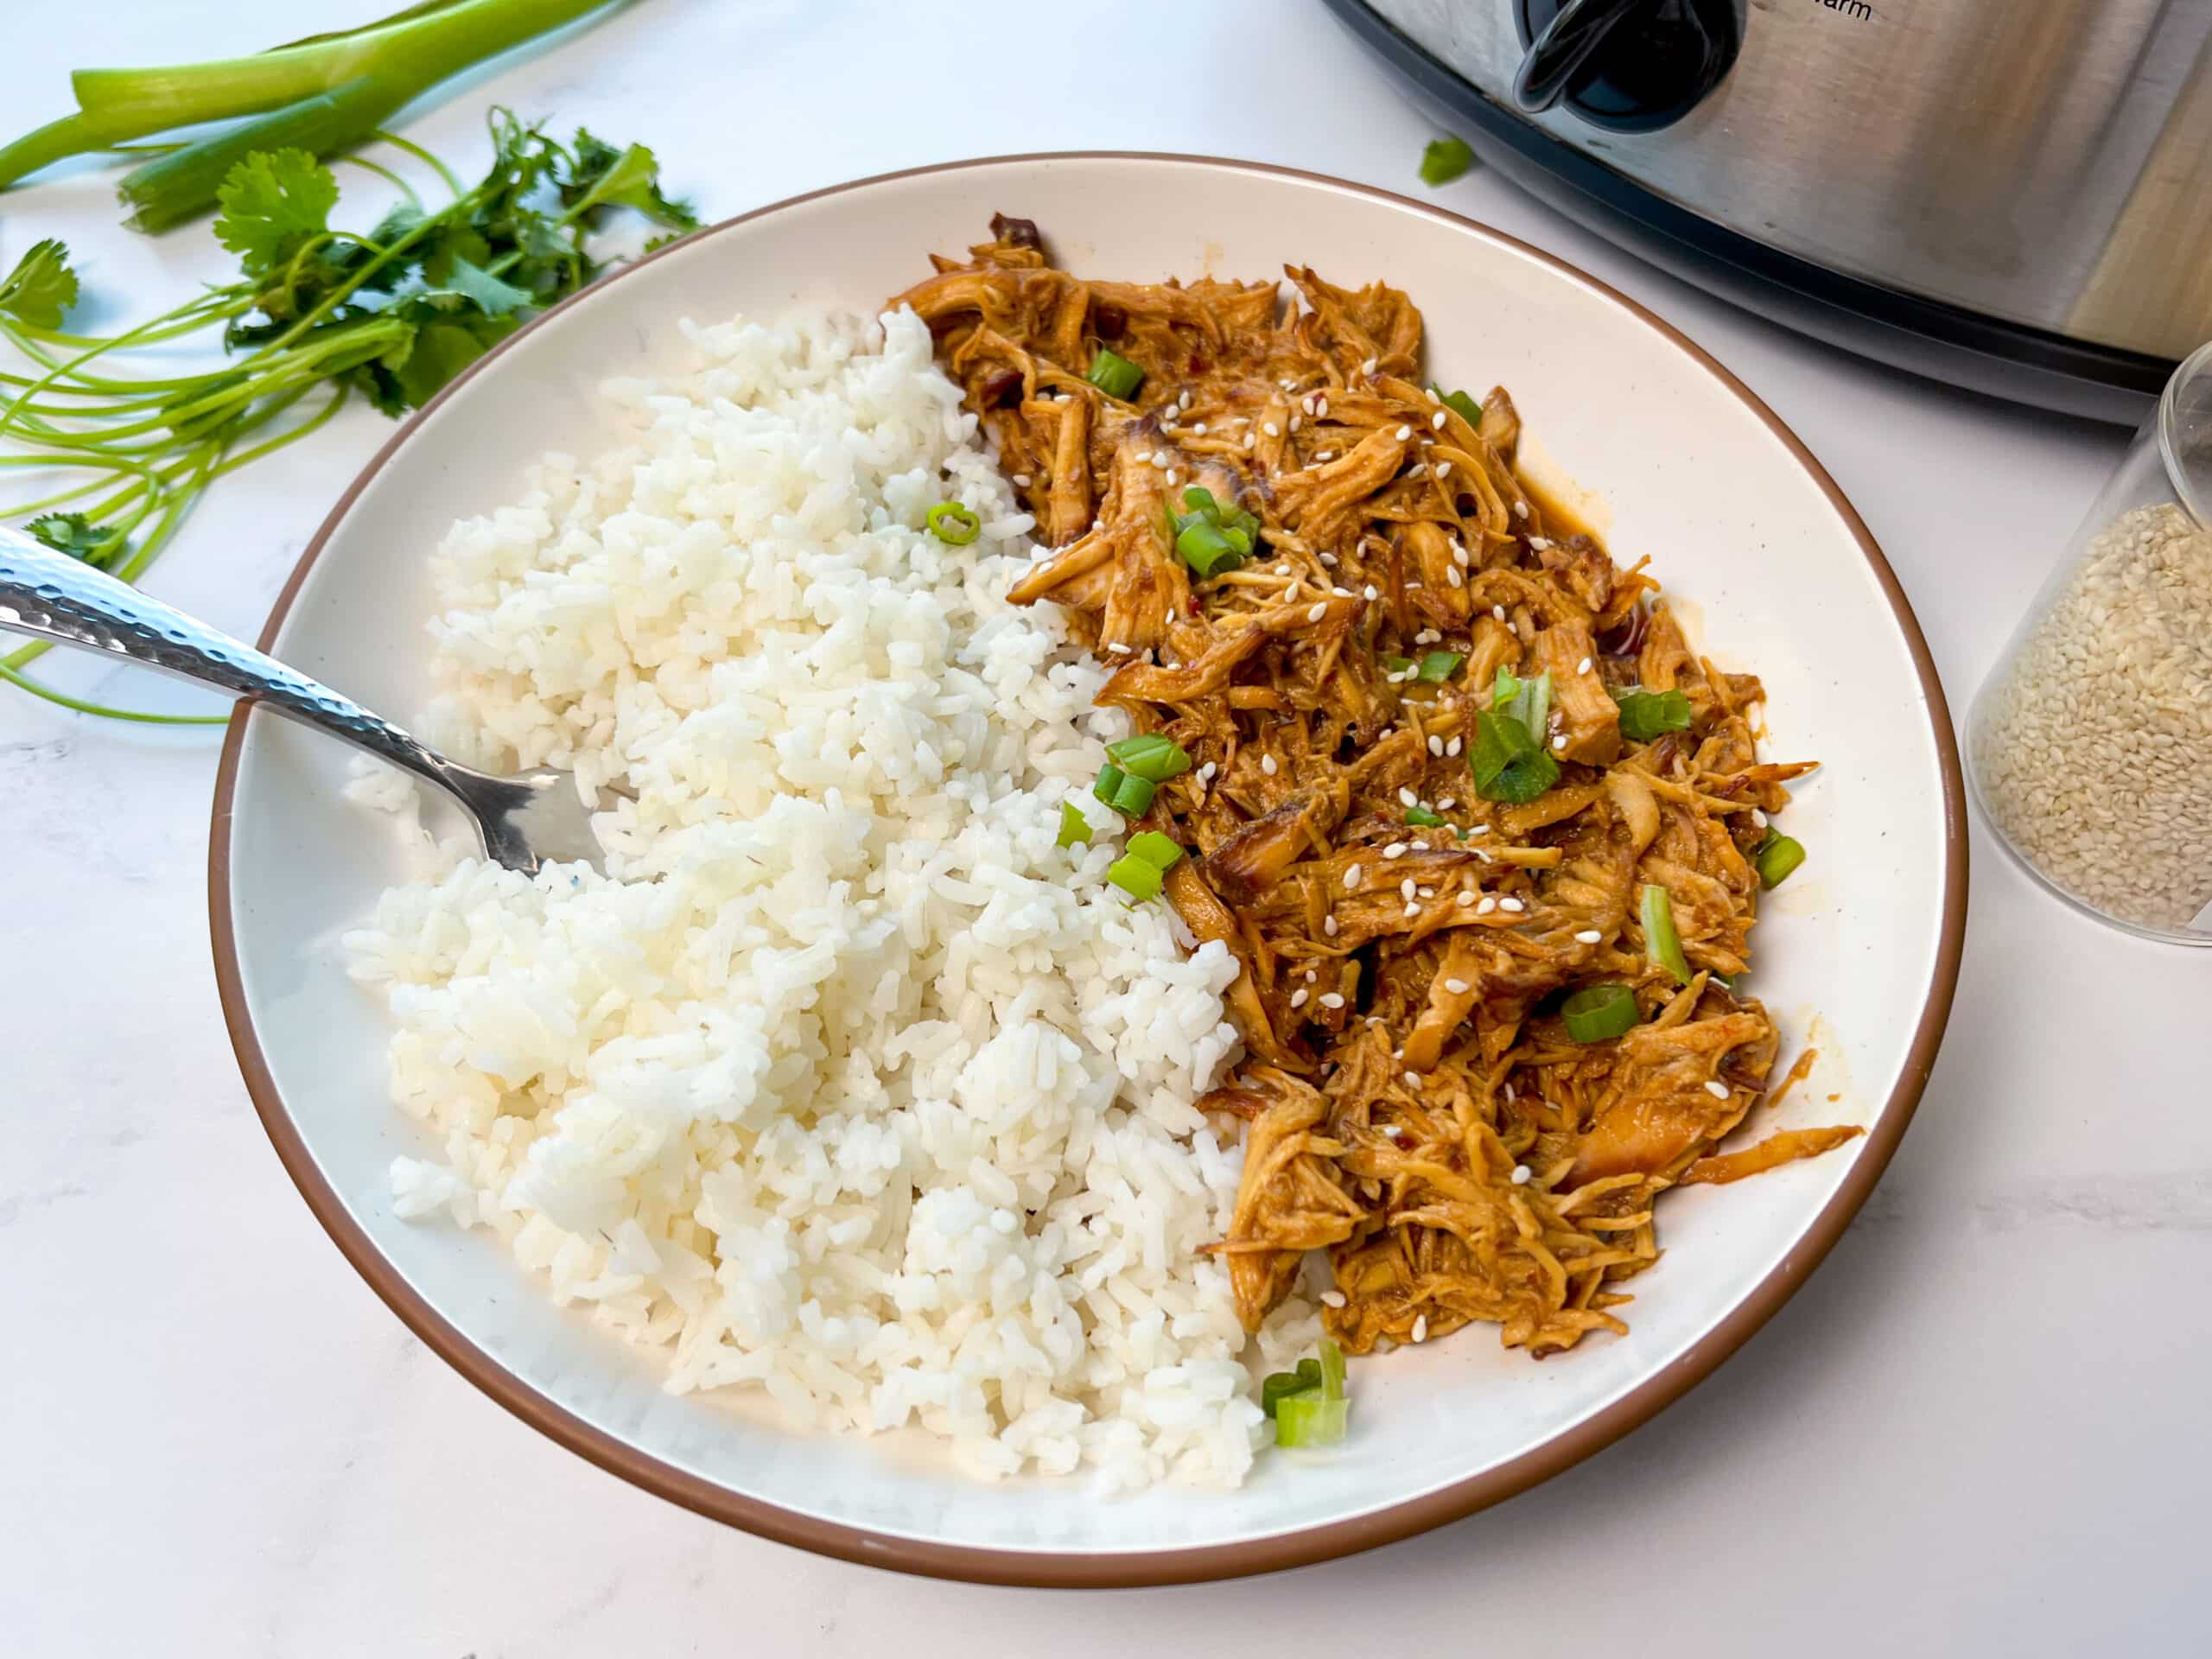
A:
{"x":845,"y":1083}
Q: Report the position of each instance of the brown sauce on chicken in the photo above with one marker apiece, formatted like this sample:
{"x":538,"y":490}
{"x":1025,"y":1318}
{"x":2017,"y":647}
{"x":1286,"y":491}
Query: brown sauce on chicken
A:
{"x":1412,"y":1103}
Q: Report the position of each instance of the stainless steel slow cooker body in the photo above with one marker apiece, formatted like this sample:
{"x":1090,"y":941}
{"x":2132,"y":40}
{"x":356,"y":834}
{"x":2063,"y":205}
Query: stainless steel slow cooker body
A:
{"x":2014,"y":195}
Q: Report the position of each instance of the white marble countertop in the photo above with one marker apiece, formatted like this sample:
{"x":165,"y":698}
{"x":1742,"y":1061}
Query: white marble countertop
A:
{"x":1978,"y":1428}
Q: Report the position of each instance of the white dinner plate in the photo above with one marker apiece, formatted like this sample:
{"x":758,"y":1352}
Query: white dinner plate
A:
{"x":1771,"y":566}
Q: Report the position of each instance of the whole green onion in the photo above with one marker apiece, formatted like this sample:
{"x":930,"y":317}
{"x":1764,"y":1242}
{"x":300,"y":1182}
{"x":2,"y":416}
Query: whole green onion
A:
{"x":1598,"y":1012}
{"x":1153,"y":756}
{"x":1661,"y":942}
{"x":1074,"y":826}
{"x":1138,"y":877}
{"x":1114,"y":375}
{"x":1776,"y":857}
{"x":952,"y":523}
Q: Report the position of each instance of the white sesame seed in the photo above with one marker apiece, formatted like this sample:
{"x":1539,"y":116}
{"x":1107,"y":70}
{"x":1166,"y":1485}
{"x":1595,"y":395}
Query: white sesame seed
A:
{"x":1457,"y":986}
{"x":1758,"y":819}
{"x":1412,"y":1080}
{"x":1582,"y":667}
{"x":1406,"y":798}
{"x":1118,"y":648}
{"x":1341,"y":593}
{"x":1443,"y":469}
{"x":1391,"y":1132}
{"x":1271,"y":429}
{"x":1332,"y":1299}
{"x":1250,"y":440}
{"x":1487,"y":906}
{"x":1404,"y":432}
{"x":1144,"y":456}
{"x":1351,"y":879}
{"x":1268,"y":764}
{"x":1395,"y":849}
{"x":1412,"y":909}
{"x":1540,"y":542}
{"x":1498,"y":612}
{"x":1329,"y":925}
{"x":1478,"y":828}
{"x":1206,"y":772}
{"x":1427,"y":893}
{"x":1317,"y":612}
{"x":1368,"y":368}
{"x":1451,"y":747}
{"x":1420,"y":1328}
{"x":1330,"y":559}
{"x":1520,"y":1171}
{"x":1175,"y":477}
{"x":1331,"y":1000}
{"x":1288,"y":385}
{"x":1320,"y":408}
{"x":1520,"y":509}
{"x":1162,"y":459}
{"x":1559,"y":742}
{"x":1437,"y":420}
{"x":1512,"y":904}
{"x":1436,"y":744}
{"x":1590,"y":936}
{"x":1717,"y":1089}
{"x":1459,"y":553}
{"x":1294,"y":421}
{"x":1449,"y":801}
{"x":1419,"y":469}
{"x":1298,"y":999}
{"x":1291,"y":593}
{"x":1184,"y":402}
{"x":1283,"y":568}
{"x":1021,"y":480}
{"x":1453,"y":577}
{"x":1199,"y":429}
{"x":1466,"y":898}
{"x":1406,"y":888}
{"x":1427,"y":637}
{"x":1369,"y":592}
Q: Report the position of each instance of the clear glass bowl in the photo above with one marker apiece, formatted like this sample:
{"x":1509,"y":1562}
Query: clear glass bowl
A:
{"x":2089,"y":746}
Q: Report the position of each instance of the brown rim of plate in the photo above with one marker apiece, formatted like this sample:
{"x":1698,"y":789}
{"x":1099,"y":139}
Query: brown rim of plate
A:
{"x":1120,"y":1569}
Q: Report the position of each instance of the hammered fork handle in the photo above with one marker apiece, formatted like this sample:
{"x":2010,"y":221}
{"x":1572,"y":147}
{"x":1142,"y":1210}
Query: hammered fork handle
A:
{"x":53,"y":596}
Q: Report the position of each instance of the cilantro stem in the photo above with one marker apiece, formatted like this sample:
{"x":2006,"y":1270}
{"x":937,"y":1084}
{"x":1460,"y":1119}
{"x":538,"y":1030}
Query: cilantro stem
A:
{"x":38,"y":689}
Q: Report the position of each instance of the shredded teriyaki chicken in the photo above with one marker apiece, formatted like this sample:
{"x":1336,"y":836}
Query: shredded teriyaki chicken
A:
{"x":1413,"y":1103}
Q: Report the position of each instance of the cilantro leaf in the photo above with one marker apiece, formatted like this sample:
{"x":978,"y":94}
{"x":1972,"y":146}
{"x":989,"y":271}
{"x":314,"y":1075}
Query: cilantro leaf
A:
{"x":76,"y":535}
{"x":606,"y":177}
{"x":41,"y":287}
{"x":273,"y":203}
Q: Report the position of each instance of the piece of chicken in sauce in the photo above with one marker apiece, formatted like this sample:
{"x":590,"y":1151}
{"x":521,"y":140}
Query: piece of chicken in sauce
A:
{"x":1443,"y":750}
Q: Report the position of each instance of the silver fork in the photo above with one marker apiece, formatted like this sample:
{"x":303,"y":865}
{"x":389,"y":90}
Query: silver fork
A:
{"x":536,"y":818}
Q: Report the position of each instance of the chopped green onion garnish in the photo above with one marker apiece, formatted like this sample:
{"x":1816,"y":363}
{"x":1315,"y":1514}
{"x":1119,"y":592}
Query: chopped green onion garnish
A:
{"x":1508,"y":765}
{"x":1279,"y":1383}
{"x":1138,"y":877}
{"x":1647,"y":715}
{"x":1153,"y":756}
{"x":1333,"y":1370}
{"x":1423,"y":816}
{"x":1597,"y":1012}
{"x":1158,"y":850}
{"x":1128,"y":795}
{"x":1396,"y":664}
{"x":1536,"y":701}
{"x":1776,"y":857}
{"x":1074,"y":826}
{"x":1661,"y":942}
{"x":1199,"y":499}
{"x":1207,"y":550}
{"x":1306,"y":1419}
{"x":1440,"y":665}
{"x":951,"y":522}
{"x":1445,"y":160}
{"x":1113,"y":374}
{"x":1465,"y":408}
{"x":1309,"y":1373}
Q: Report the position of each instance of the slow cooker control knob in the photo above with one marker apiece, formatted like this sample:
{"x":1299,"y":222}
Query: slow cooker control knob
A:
{"x":1628,"y":65}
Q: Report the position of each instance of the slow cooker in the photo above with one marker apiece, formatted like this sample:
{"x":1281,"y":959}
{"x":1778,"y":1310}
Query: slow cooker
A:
{"x":2012,"y":195}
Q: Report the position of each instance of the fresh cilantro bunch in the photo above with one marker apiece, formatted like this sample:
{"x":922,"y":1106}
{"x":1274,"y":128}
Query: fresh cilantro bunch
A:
{"x":392,"y":316}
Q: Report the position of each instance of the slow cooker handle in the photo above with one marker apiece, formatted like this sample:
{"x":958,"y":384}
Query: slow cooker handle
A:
{"x":1557,"y":55}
